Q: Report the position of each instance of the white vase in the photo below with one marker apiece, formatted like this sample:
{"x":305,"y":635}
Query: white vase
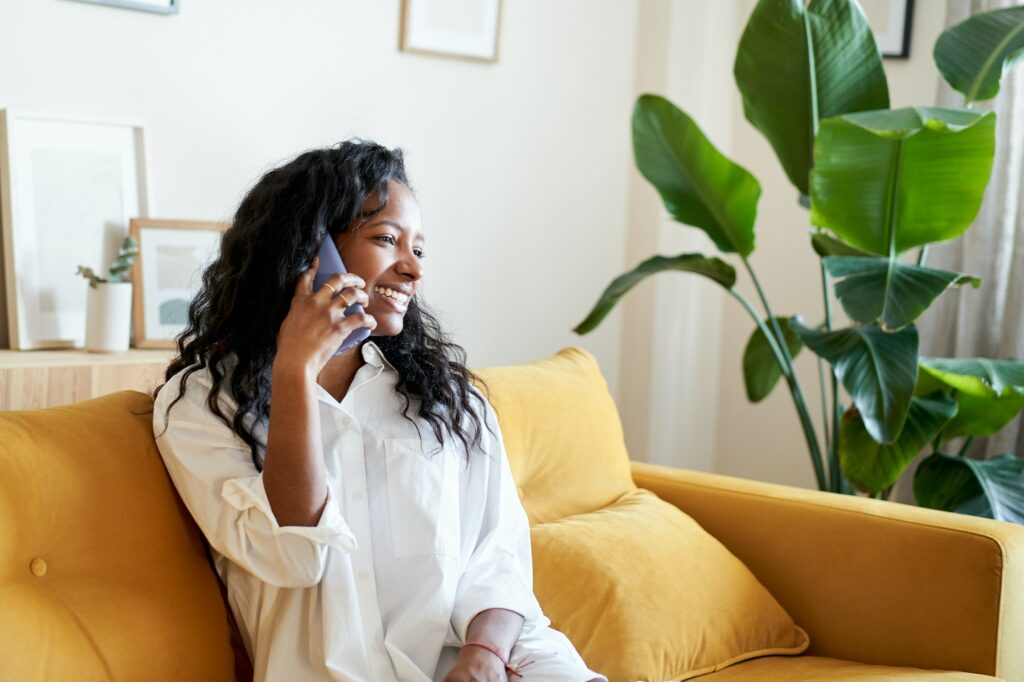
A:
{"x":108,"y":317}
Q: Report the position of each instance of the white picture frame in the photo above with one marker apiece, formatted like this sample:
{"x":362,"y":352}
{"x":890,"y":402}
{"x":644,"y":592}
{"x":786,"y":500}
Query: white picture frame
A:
{"x":68,"y":188}
{"x":466,"y":29}
{"x":155,"y":6}
{"x":167,"y":275}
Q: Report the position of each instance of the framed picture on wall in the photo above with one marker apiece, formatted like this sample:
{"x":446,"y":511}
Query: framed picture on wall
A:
{"x":158,"y":6}
{"x":453,"y":28}
{"x":891,"y":21}
{"x":68,"y":188}
{"x":167,"y":275}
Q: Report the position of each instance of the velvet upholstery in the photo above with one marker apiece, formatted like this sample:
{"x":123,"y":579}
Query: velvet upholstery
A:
{"x":103,"y":574}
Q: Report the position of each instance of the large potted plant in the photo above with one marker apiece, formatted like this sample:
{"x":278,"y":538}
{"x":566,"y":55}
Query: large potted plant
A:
{"x":880,"y":185}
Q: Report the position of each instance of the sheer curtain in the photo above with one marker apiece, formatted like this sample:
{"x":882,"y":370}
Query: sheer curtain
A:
{"x":988,"y":321}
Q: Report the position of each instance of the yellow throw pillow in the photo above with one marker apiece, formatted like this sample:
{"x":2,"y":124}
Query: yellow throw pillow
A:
{"x":645,"y":593}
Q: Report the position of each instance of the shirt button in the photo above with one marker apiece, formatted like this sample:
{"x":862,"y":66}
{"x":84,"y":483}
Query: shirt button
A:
{"x":346,"y":421}
{"x":377,"y":647}
{"x":363,"y":574}
{"x":357,"y":496}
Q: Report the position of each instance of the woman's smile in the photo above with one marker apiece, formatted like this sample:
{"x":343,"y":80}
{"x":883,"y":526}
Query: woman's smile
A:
{"x":390,"y":301}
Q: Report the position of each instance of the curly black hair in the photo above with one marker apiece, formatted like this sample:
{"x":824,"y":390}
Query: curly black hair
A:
{"x":246,"y":293}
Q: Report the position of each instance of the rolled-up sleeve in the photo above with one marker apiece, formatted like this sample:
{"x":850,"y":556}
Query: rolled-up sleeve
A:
{"x":214,"y":475}
{"x":499,"y":570}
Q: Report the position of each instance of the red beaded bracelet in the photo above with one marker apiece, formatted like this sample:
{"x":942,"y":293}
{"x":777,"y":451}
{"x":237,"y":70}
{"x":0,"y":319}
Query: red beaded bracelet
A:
{"x":508,"y":668}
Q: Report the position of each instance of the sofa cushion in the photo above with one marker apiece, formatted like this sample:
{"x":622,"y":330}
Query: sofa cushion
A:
{"x":102,"y":572}
{"x":646,"y":594}
{"x":562,"y":434}
{"x":817,"y":668}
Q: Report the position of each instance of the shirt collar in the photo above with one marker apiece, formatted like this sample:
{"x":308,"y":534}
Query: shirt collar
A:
{"x":373,"y":355}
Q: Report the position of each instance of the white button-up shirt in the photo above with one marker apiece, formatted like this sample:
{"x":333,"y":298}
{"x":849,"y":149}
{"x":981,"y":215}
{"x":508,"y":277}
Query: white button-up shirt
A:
{"x":414,"y":541}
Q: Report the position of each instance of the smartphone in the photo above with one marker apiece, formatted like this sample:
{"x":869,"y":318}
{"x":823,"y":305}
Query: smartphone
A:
{"x":330,"y":264}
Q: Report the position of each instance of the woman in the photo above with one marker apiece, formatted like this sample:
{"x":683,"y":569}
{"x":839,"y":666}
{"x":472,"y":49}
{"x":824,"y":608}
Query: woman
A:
{"x":355,"y":545}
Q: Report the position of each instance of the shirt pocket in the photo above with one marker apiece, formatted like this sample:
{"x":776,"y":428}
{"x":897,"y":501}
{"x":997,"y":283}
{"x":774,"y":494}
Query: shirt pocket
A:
{"x":423,"y":498}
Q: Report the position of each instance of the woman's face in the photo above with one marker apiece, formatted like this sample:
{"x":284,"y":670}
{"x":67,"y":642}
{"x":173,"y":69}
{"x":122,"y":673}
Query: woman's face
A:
{"x":386,"y":252}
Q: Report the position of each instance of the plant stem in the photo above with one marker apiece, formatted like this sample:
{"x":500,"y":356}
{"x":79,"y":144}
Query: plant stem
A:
{"x":764,"y":330}
{"x":821,"y":363}
{"x":965,"y":447}
{"x":786,"y":363}
{"x":922,"y":256}
{"x":837,"y":417}
{"x":831,"y":435}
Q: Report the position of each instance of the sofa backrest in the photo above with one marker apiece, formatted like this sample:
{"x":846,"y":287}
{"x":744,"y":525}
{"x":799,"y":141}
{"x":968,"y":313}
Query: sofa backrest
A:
{"x":103,"y":575}
{"x":562,"y":434}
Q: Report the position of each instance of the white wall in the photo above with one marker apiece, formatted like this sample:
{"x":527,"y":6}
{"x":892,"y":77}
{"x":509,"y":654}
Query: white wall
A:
{"x":521,"y":166}
{"x":524,"y":168}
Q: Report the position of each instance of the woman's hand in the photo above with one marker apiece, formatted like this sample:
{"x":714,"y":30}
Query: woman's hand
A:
{"x":477,"y":664}
{"x":316,"y":323}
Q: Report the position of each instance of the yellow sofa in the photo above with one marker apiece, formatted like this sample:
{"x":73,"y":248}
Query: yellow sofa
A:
{"x":104,"y":576}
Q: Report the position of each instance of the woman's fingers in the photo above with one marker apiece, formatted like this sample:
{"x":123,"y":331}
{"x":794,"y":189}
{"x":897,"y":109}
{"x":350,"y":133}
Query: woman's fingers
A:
{"x":304,"y":285}
{"x":347,"y":285}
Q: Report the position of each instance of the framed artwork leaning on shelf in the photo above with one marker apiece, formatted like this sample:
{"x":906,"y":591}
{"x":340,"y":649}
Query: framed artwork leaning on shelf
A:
{"x":68,"y":187}
{"x":167,"y":276}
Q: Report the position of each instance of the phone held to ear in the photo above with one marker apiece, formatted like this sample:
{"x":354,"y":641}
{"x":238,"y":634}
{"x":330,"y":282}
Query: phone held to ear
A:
{"x":330,"y":264}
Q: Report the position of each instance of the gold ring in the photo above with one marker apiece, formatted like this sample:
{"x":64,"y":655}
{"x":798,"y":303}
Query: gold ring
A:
{"x":334,"y":291}
{"x":344,"y":300}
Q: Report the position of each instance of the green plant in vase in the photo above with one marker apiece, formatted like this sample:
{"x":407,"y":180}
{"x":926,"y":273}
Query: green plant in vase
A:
{"x":120,"y":270}
{"x":881,"y":185}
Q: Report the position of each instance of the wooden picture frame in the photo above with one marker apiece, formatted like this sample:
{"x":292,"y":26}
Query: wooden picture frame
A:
{"x":464,"y":29}
{"x":68,"y":188}
{"x":166,"y":276}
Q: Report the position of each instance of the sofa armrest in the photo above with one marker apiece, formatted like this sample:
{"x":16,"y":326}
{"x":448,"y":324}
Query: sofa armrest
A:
{"x":871,"y":581}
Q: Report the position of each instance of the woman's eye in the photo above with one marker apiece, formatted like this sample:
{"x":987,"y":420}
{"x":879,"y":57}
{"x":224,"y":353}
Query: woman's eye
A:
{"x":391,"y":240}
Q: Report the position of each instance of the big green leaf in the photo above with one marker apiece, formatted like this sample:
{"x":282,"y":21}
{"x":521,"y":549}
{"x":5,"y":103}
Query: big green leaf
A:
{"x":940,"y":484}
{"x":977,"y":415}
{"x":874,"y":467}
{"x":713,"y":268}
{"x":801,"y":62}
{"x":983,"y":416}
{"x":761,"y":370}
{"x":973,"y":55}
{"x":982,"y":377}
{"x":957,"y":483}
{"x":827,"y":245}
{"x":697,"y":183}
{"x":886,"y":181}
{"x":878,"y":370}
{"x":887,"y":291}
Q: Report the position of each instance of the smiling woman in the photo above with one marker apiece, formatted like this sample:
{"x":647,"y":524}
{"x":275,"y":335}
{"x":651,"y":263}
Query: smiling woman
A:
{"x":354,"y":543}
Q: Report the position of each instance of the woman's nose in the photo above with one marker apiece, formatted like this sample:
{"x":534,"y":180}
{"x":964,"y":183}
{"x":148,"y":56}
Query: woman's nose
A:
{"x":412,"y":266}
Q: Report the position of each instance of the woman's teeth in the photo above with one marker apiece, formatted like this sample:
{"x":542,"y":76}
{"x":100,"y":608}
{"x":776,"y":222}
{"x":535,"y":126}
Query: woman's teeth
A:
{"x":400,"y":297}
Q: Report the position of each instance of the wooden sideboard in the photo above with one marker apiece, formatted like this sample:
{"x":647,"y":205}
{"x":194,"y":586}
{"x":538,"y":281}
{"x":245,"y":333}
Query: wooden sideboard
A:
{"x":46,"y":378}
